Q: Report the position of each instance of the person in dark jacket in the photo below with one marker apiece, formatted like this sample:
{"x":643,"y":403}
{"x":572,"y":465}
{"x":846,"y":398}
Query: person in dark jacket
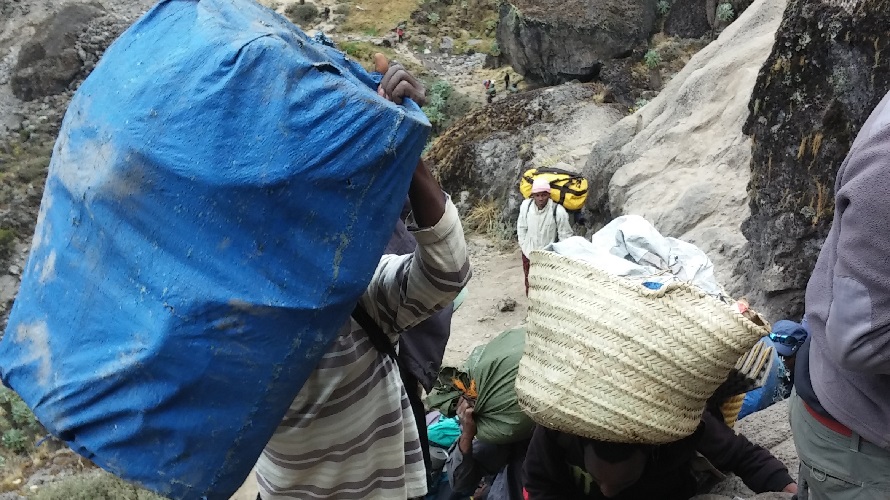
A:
{"x":471,"y":460}
{"x":561,"y":466}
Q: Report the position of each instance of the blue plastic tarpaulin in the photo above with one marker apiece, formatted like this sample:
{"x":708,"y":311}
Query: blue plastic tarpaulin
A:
{"x":219,"y":195}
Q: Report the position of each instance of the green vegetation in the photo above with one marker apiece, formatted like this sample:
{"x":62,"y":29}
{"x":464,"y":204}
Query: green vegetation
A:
{"x":363,"y":52}
{"x":490,"y":27}
{"x":380,"y":15}
{"x":725,"y":13}
{"x":472,"y":24}
{"x":302,"y":13}
{"x":7,"y":239}
{"x":94,"y":486}
{"x":663,"y":6}
{"x":15,"y":441}
{"x":33,"y":170}
{"x":444,"y":106}
{"x":18,"y":425}
{"x":437,"y":98}
{"x":652,"y":59}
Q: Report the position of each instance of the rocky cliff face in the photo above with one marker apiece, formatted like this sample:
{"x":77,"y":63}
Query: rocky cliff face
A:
{"x":689,"y":18}
{"x":827,"y":70}
{"x":49,"y":62}
{"x":482,"y":156}
{"x":682,"y":161}
{"x":557,"y":41}
{"x":47,"y":48}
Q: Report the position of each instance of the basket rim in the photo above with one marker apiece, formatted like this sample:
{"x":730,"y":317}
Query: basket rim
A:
{"x":564,"y":261}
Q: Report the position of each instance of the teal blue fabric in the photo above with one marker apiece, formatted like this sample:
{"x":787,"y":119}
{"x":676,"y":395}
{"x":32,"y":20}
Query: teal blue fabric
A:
{"x":444,"y":432}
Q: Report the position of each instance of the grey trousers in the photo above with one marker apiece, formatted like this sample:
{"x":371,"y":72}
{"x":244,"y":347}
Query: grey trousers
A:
{"x":834,"y":466}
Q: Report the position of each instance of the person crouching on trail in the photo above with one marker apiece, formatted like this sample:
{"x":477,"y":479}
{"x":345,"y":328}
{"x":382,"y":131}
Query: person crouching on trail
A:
{"x":561,"y":466}
{"x":541,"y":222}
{"x":472,"y":461}
{"x":351,"y":432}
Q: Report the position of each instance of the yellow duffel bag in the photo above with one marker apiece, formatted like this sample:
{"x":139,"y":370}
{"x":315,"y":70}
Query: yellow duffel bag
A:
{"x":569,"y":189}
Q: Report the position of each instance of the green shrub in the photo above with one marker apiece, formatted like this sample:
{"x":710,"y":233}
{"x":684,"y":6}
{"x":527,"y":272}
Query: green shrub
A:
{"x":437,"y":99}
{"x":7,"y":240}
{"x":22,"y":416}
{"x":433,"y":18}
{"x":491,"y":26}
{"x":725,"y":12}
{"x":652,"y":59}
{"x":18,"y":423}
{"x":302,"y":13}
{"x":94,"y":486}
{"x":362,"y":52}
{"x":33,"y":169}
{"x":663,"y":6}
{"x":15,"y":440}
{"x":7,"y":395}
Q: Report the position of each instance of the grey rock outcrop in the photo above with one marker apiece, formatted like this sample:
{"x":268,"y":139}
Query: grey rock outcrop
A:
{"x":482,"y":156}
{"x":50,"y":61}
{"x":687,"y":19}
{"x":682,"y":161}
{"x":556,"y":41}
{"x":827,"y":71}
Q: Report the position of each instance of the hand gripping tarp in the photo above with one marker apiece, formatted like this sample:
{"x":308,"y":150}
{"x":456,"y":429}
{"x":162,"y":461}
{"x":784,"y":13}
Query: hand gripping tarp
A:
{"x":219,"y":195}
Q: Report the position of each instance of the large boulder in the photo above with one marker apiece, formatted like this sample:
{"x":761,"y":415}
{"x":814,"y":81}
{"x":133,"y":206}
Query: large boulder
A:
{"x":827,"y":71}
{"x":688,"y":19}
{"x":682,"y":161}
{"x":481,"y":157}
{"x":50,"y":61}
{"x":556,"y":41}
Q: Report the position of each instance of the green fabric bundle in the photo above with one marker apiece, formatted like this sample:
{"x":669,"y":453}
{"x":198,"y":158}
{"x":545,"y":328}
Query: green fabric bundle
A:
{"x":489,"y":378}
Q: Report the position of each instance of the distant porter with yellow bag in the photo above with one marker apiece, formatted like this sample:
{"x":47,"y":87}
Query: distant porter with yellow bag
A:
{"x":569,"y":189}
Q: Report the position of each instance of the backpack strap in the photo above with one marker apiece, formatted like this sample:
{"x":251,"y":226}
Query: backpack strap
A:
{"x":382,"y":343}
{"x":378,"y":339}
{"x":555,"y":223}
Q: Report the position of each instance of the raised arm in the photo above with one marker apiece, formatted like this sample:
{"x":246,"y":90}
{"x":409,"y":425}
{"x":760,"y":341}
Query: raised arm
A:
{"x":406,"y":289}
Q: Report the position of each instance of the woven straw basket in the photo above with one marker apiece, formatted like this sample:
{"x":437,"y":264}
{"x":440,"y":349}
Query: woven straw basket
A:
{"x":608,"y":359}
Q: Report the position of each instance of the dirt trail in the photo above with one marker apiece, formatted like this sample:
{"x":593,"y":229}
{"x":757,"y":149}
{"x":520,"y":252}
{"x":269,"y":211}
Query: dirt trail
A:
{"x":497,"y":275}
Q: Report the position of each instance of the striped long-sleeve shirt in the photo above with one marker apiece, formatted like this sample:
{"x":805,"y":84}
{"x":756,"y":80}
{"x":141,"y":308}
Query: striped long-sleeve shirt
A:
{"x":350,"y":432}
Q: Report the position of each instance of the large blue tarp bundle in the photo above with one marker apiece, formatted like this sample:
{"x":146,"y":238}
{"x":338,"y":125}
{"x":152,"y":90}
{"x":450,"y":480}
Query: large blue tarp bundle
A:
{"x":218,"y":198}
